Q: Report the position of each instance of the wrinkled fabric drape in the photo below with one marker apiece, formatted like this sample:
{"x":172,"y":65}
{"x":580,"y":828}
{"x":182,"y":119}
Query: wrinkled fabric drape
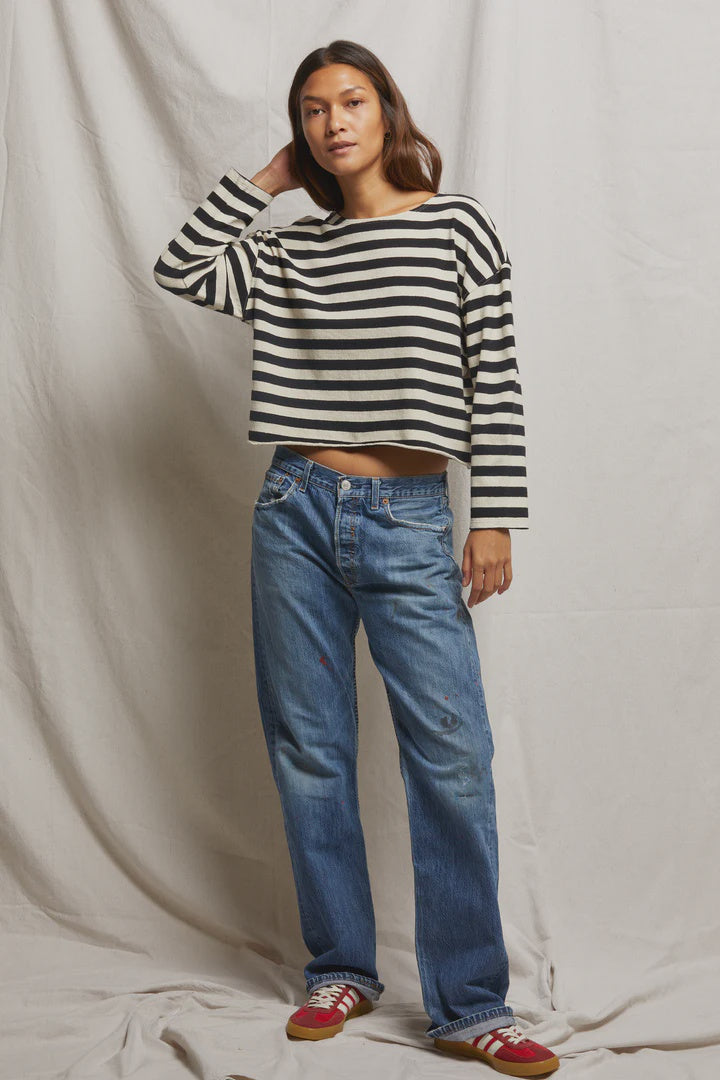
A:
{"x":149,"y":921}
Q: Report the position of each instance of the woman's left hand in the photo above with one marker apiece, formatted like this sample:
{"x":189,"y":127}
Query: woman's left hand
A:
{"x":486,"y":562}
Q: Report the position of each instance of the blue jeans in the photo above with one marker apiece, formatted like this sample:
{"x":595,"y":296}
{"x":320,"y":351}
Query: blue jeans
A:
{"x":329,"y":549}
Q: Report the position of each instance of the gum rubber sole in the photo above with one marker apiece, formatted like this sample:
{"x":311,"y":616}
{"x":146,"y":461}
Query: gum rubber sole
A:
{"x":511,"y":1068}
{"x":300,"y":1032}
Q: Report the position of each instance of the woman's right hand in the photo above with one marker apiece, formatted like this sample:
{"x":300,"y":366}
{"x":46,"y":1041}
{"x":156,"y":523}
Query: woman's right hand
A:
{"x":279,"y":174}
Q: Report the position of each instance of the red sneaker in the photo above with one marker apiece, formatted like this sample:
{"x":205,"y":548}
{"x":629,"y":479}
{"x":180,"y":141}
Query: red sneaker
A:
{"x":507,"y":1050}
{"x":326,"y":1010}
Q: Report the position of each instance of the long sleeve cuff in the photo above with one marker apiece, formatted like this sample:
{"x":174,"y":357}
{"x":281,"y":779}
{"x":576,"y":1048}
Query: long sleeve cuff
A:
{"x":498,"y":491}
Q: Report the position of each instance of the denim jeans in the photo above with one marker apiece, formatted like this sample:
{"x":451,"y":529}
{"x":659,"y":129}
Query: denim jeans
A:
{"x":329,"y":549}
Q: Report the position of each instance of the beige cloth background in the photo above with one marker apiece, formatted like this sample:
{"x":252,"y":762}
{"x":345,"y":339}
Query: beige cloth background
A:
{"x":148,"y":911}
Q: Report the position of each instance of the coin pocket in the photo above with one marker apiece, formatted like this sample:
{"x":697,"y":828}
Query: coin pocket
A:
{"x":276,"y":487}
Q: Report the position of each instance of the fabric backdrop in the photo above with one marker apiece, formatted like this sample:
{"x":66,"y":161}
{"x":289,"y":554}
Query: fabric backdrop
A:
{"x":149,"y":918}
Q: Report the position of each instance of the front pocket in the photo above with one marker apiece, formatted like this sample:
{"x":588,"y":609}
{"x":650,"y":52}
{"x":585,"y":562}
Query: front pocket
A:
{"x":428,"y":512}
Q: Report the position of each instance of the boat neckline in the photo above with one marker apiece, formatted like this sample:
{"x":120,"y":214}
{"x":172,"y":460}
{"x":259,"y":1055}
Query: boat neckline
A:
{"x":383,"y":217}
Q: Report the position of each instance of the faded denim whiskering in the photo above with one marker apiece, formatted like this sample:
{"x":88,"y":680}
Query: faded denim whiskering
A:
{"x":330,"y":549}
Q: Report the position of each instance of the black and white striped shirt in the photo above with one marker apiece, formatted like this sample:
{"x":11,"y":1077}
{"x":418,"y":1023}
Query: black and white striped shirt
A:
{"x":395,"y":329}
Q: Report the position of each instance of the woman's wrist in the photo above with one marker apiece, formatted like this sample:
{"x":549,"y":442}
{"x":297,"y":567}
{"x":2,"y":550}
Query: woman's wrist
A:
{"x":267,"y":181}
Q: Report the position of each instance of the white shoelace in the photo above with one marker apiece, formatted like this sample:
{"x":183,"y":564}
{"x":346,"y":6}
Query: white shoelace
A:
{"x":513,"y":1033}
{"x":325,"y":995}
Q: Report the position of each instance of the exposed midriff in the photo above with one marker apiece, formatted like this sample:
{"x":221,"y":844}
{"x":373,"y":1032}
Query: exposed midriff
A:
{"x":381,"y":459}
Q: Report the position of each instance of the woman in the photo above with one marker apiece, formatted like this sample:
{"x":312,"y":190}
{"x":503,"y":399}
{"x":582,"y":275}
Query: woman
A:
{"x":383,"y":345}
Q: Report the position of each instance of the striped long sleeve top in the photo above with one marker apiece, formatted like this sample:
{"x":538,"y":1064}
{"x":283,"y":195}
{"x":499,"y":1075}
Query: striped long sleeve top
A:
{"x":394,"y":329}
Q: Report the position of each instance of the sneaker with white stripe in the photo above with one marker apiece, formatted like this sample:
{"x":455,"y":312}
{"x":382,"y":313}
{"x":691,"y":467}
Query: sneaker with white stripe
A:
{"x":326,"y":1010}
{"x":507,"y":1049}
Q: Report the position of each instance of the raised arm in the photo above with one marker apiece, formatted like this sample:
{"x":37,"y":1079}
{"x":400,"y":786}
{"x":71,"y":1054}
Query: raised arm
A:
{"x":210,"y":262}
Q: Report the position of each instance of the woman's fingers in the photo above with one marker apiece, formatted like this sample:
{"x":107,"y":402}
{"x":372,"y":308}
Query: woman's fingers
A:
{"x":486,"y":564}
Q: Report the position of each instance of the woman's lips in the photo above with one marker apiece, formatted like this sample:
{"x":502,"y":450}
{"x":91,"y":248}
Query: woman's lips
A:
{"x":341,"y":149}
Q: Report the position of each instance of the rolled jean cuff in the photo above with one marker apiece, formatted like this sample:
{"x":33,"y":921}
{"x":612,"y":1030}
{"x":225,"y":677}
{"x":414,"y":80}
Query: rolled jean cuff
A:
{"x":470,"y":1026}
{"x":371,"y":988}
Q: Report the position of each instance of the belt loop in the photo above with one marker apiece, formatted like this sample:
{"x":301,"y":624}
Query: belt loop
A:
{"x":446,"y":487}
{"x":306,"y":474}
{"x":375,"y":499}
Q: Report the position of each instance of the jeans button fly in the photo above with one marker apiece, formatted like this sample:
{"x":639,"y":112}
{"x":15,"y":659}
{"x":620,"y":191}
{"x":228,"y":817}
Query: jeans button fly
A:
{"x":345,"y":484}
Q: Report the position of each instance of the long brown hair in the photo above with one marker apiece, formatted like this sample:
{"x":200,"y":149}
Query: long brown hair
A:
{"x":404,"y":153}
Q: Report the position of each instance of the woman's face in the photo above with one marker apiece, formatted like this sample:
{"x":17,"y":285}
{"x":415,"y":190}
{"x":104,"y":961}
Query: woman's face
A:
{"x":338,"y":103}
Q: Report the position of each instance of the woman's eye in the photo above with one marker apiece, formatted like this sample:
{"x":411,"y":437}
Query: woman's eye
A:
{"x":315,"y":109}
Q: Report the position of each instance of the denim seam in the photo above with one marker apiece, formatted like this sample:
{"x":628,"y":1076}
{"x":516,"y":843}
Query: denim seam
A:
{"x":475,"y":652}
{"x":264,"y":678}
{"x":355,"y":710}
{"x":451,"y":556}
{"x":418,"y":906}
{"x":272,"y":712}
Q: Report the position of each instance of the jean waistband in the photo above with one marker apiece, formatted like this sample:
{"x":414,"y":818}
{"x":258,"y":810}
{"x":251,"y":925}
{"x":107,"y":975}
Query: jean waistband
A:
{"x":312,"y":472}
